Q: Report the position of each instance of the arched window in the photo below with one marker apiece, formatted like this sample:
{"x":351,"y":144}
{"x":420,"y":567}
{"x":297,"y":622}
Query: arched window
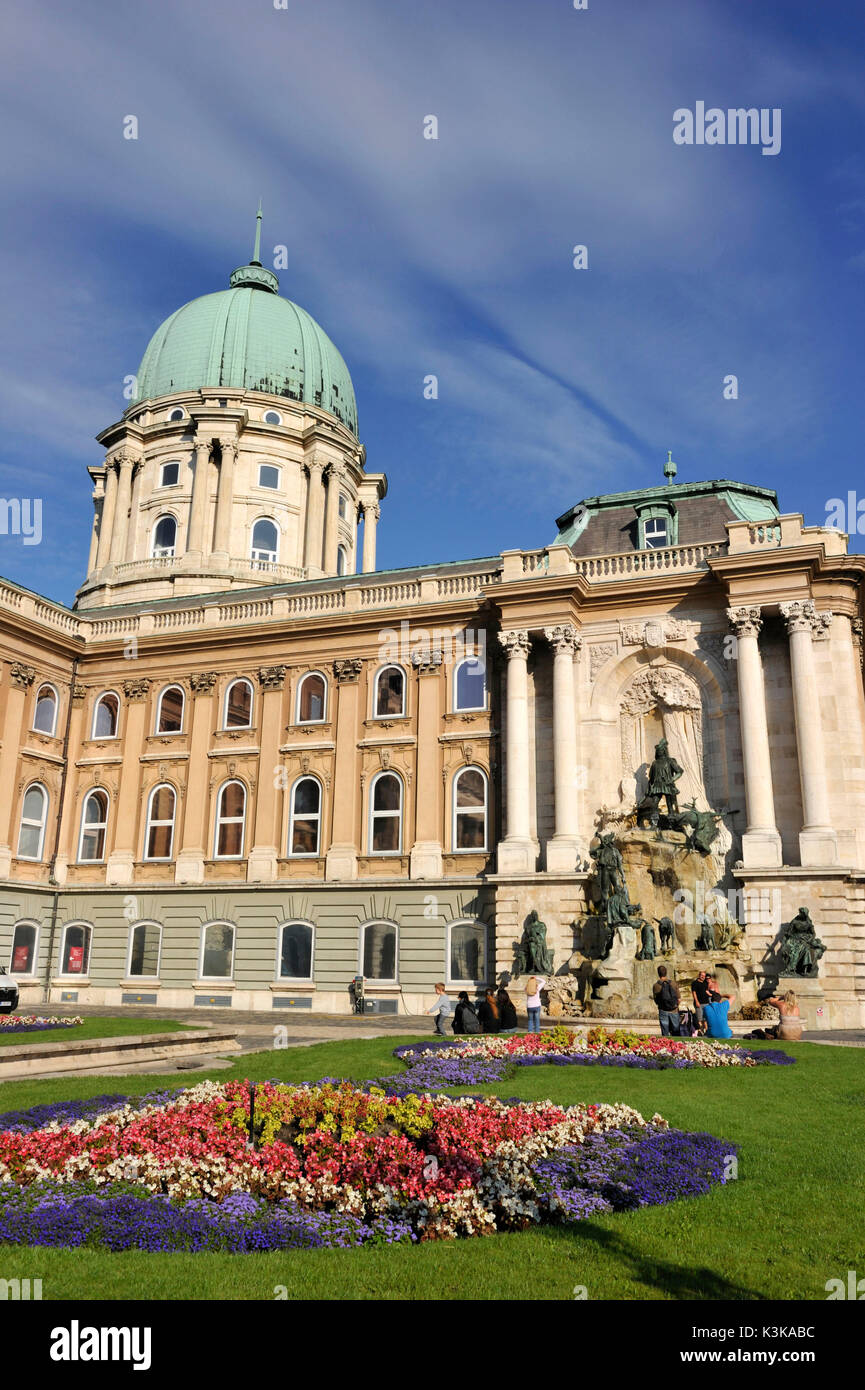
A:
{"x":304,"y":836}
{"x":105,"y":716}
{"x":159,"y":832}
{"x":294,"y":961}
{"x":34,"y":814}
{"x":230,"y":817}
{"x":385,"y":821}
{"x":378,"y":952}
{"x":341,"y":560}
{"x":45,"y":712}
{"x":343,"y":506}
{"x":75,"y":949}
{"x":164,"y":537}
{"x":238,"y":706}
{"x":25,"y":939}
{"x":169,"y":716}
{"x":389,"y":691}
{"x":265,"y":542}
{"x":470,"y":809}
{"x":467,"y":950}
{"x":470,"y":684}
{"x":145,"y":946}
{"x":217,"y":951}
{"x":312,"y":699}
{"x":94,"y":824}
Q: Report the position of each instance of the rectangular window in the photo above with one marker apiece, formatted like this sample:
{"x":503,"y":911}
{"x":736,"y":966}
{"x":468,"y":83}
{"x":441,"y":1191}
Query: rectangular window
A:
{"x":268,"y":475}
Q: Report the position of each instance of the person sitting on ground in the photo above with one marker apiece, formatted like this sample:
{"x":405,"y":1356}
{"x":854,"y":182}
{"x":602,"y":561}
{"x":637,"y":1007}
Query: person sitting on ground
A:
{"x":488,"y":1013}
{"x":666,"y":995}
{"x":715,"y":1014}
{"x":790,"y":1023}
{"x":442,"y":1010}
{"x":465,"y":1018}
{"x":507,"y":1012}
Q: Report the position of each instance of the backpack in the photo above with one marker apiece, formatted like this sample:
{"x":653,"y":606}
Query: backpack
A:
{"x":667,"y":999}
{"x":470,"y":1020}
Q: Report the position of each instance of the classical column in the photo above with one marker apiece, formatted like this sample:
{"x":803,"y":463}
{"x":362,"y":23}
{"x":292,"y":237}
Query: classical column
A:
{"x":265,"y":850}
{"x":371,"y":513}
{"x":426,"y":852}
{"x":194,"y":836}
{"x":225,"y":499}
{"x":65,"y":850}
{"x":120,"y":868}
{"x":125,"y":465}
{"x":761,"y":843}
{"x":132,"y":527}
{"x":818,"y":843}
{"x":98,"y":499}
{"x":109,"y":506}
{"x":516,"y":852}
{"x":195,"y":540}
{"x":335,"y":477}
{"x":341,"y":861}
{"x":314,"y":547}
{"x":565,"y":846}
{"x":21,"y":678}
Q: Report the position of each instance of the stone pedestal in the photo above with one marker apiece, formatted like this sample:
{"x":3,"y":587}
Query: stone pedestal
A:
{"x":340,"y":863}
{"x":119,"y":869}
{"x":189,"y":867}
{"x":425,"y":860}
{"x":262,"y":864}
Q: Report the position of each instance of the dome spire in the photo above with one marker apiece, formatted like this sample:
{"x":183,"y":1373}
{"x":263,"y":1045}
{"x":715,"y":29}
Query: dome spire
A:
{"x":255,"y":276}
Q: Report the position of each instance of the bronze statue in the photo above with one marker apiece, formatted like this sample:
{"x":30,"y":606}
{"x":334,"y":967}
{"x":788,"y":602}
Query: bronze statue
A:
{"x":800,"y":946}
{"x":611,"y":870}
{"x":665,"y":931}
{"x":663,"y":775}
{"x":648,"y":942}
{"x":703,"y":825}
{"x":706,"y":941}
{"x":533,"y":955}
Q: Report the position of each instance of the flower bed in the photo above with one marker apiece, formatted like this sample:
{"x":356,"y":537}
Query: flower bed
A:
{"x":32,"y":1023}
{"x":333,"y":1164}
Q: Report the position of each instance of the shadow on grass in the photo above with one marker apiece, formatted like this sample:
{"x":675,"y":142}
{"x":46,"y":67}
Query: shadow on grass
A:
{"x":685,"y":1282}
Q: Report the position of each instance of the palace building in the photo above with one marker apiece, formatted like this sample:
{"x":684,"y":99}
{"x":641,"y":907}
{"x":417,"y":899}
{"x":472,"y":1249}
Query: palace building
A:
{"x":246,"y":766}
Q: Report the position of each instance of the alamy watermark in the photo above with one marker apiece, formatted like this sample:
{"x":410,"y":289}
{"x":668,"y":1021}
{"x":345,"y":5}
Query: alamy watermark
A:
{"x":735,"y":126}
{"x":21,"y":516}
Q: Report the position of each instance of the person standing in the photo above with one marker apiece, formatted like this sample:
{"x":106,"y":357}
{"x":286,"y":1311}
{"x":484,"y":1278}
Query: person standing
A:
{"x":701,"y":995}
{"x":534,"y":985}
{"x":666,"y":995}
{"x":442,"y":1010}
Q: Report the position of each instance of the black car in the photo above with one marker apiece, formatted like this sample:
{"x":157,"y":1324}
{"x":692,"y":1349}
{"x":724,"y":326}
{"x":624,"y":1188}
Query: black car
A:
{"x":8,"y":993}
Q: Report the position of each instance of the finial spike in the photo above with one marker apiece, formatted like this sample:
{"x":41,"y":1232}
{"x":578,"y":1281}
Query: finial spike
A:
{"x":256,"y":254}
{"x":670,"y":469}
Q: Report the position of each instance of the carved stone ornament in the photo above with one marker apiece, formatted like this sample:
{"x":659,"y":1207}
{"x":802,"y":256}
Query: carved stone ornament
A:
{"x":653,"y":633}
{"x":745,"y":622}
{"x":79,"y":691}
{"x":347,"y":670}
{"x":271,"y":677}
{"x":515,"y":644}
{"x":136,"y":689}
{"x":599,"y":655}
{"x":666,"y":686}
{"x":21,"y":675}
{"x":823,"y":625}
{"x":564,"y":638}
{"x":713,"y":644}
{"x":427,"y":662}
{"x":202,"y":682}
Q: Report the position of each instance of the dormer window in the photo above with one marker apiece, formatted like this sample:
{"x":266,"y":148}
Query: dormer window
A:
{"x":655,"y":533}
{"x":657,"y":524}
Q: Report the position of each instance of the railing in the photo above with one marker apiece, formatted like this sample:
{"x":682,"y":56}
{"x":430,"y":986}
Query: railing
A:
{"x":110,"y":627}
{"x":245,"y":612}
{"x":761,"y":534}
{"x":324,"y":601}
{"x":664,"y":560}
{"x":383,"y":595}
{"x":178,"y":617}
{"x":466,"y":585}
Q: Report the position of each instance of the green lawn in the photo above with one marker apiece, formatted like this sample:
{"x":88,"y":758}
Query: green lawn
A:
{"x":91,"y":1028}
{"x":791,"y":1221}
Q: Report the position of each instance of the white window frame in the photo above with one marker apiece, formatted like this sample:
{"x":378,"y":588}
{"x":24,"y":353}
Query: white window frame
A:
{"x":34,"y":969}
{"x":301,"y":979}
{"x":81,"y":974}
{"x":385,"y":853}
{"x":49,"y":733}
{"x":299,"y":697}
{"x":46,"y":802}
{"x":145,"y":922}
{"x":341,"y":561}
{"x":217,"y":922}
{"x":230,"y":820}
{"x":376,"y":980}
{"x":484,"y":928}
{"x":304,"y":854}
{"x":389,"y":666}
{"x":656,"y":521}
{"x":466,"y":661}
{"x":93,"y":733}
{"x":169,"y":463}
{"x":342,"y":507}
{"x":271,"y":411}
{"x":272,"y":556}
{"x":176,"y":413}
{"x":163,"y":552}
{"x":94,"y":825}
{"x":483,"y":849}
{"x":170,"y":733}
{"x":241,"y":680}
{"x":149,"y":823}
{"x":267,"y":487}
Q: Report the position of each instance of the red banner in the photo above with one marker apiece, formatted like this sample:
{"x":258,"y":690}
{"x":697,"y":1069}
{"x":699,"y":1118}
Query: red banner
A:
{"x":75,"y":963}
{"x":20,"y":960}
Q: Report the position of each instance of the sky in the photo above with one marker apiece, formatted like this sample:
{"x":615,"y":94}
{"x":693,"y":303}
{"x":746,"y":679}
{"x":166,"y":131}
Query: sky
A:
{"x":451,"y":257}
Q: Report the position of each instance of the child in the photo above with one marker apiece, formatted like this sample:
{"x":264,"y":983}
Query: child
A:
{"x":442,"y":1010}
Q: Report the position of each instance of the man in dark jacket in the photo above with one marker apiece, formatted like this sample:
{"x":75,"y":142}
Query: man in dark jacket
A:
{"x":666,"y":994}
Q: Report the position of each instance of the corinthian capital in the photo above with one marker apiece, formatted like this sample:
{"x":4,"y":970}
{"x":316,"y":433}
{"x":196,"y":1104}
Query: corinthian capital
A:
{"x":515,"y":644}
{"x":745,"y":622}
{"x":564,"y":638}
{"x":799,"y":615}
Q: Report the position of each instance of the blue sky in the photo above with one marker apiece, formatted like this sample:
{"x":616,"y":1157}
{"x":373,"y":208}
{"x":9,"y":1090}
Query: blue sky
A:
{"x":453,"y":256}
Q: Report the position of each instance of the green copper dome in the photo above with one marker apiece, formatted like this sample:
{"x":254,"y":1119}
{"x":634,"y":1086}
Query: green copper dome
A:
{"x":249,"y":338}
